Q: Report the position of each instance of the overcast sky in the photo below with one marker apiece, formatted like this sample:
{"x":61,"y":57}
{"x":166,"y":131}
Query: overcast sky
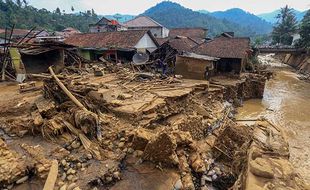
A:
{"x":136,"y":7}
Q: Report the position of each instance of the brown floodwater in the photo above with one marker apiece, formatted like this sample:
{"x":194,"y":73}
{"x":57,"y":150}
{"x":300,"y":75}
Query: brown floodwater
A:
{"x":286,"y":102}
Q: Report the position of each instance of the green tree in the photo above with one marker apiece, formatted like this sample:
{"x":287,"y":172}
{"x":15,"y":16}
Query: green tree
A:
{"x":93,"y":13}
{"x":25,"y":3}
{"x":285,"y":27}
{"x":57,"y":11}
{"x":19,"y":3}
{"x":305,"y":31}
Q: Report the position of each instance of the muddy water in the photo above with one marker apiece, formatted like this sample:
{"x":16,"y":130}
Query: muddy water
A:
{"x":286,"y":102}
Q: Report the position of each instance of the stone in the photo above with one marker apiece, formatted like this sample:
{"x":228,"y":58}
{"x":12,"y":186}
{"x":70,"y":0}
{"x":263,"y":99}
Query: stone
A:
{"x":63,"y":162}
{"x":63,"y":176}
{"x":60,"y":183}
{"x":22,"y":180}
{"x":63,"y":187}
{"x":122,"y":139}
{"x":178,"y":185}
{"x":89,"y":156}
{"x":117,"y":175}
{"x":162,"y":149}
{"x":108,"y":179}
{"x":71,"y":186}
{"x":138,"y":153}
{"x":77,"y":188}
{"x":79,"y":165}
{"x":71,"y":171}
{"x":121,"y":144}
{"x":130,"y":150}
{"x":261,"y":168}
{"x":141,"y":139}
{"x":69,"y":177}
{"x":75,"y":144}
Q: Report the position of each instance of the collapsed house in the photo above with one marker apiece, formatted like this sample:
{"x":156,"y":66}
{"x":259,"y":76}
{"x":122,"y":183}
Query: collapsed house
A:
{"x":38,"y":58}
{"x":19,"y":60}
{"x":114,"y":46}
{"x":233,"y":53}
{"x":168,"y":51}
{"x":146,"y":23}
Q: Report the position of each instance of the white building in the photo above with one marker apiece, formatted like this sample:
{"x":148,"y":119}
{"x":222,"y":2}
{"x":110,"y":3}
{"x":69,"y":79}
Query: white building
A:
{"x":146,"y":23}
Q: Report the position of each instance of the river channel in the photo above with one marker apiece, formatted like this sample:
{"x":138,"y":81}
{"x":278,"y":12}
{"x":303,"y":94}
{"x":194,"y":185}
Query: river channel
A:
{"x":286,"y":102}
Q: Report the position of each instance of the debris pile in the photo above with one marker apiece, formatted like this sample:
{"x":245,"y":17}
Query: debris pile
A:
{"x":104,"y":130}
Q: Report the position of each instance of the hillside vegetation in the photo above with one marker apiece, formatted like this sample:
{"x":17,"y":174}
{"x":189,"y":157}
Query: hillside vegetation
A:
{"x":245,"y":19}
{"x":174,"y":15}
{"x":25,"y":17}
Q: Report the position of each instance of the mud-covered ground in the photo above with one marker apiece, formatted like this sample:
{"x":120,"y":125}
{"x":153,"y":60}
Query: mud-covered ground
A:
{"x":132,"y":128}
{"x":286,"y":103}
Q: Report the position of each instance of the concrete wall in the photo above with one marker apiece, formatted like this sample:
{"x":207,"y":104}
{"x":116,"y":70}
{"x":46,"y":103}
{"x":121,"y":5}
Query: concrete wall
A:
{"x":301,"y":62}
{"x":192,"y":68}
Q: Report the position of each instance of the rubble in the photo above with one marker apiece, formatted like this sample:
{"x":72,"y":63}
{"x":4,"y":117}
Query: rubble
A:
{"x":108,"y":130}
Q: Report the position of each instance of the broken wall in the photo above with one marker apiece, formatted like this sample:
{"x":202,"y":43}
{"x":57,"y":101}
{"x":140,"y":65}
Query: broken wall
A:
{"x":192,"y":68}
{"x":299,"y":61}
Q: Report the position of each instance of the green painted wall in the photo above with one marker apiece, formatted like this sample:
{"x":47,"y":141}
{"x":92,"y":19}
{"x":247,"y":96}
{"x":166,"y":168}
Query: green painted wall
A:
{"x":85,"y":54}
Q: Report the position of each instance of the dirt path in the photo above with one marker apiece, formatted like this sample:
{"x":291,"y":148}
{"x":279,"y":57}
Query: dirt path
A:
{"x":286,"y":102}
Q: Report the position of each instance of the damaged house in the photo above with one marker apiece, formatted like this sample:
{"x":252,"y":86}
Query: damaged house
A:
{"x":232,"y":51}
{"x":194,"y":66}
{"x":117,"y":46}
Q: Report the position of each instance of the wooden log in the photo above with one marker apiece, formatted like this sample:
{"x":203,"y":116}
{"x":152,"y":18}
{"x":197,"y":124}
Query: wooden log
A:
{"x":52,"y":176}
{"x":66,"y":91}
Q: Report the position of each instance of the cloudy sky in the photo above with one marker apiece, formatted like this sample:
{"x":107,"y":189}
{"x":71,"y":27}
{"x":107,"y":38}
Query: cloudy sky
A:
{"x":138,"y":6}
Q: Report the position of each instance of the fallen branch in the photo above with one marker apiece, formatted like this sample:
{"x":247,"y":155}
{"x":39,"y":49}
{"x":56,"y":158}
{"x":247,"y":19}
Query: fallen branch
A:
{"x":73,"y":98}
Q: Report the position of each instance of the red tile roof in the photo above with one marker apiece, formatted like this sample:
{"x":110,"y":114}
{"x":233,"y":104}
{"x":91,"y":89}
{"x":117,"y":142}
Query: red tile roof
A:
{"x":224,"y":47}
{"x":122,"y":39}
{"x":189,"y":32}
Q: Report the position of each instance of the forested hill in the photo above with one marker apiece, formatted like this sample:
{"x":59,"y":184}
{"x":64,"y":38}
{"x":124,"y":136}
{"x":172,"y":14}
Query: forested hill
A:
{"x":173,"y":15}
{"x":26,"y":17}
{"x":244,"y":19}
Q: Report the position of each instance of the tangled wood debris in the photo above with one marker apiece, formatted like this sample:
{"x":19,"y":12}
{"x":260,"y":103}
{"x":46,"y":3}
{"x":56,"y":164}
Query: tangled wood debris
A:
{"x":108,"y":131}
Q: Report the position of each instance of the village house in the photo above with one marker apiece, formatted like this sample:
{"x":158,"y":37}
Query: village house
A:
{"x":146,"y":23}
{"x":117,"y":46}
{"x":232,"y":51}
{"x":106,"y":25}
{"x":67,"y":32}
